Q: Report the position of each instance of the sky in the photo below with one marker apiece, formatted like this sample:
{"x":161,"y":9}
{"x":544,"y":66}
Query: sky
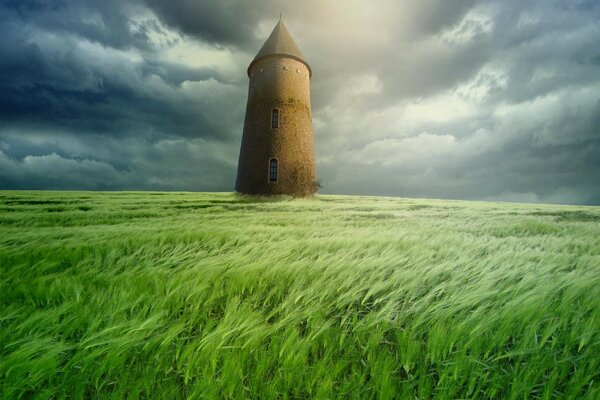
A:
{"x":482,"y":100}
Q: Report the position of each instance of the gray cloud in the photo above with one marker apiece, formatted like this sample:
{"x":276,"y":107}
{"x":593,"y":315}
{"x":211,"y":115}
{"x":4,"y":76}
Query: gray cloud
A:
{"x":73,"y":85}
{"x":480,"y":100}
{"x":112,"y":23}
{"x":66,"y":161}
{"x":219,"y":22}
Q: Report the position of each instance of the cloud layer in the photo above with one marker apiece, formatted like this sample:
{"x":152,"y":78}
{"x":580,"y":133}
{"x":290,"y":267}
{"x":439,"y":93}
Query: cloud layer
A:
{"x":494,"y":100}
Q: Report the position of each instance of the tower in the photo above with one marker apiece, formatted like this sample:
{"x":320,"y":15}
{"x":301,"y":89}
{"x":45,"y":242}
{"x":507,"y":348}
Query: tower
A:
{"x":277,"y":150}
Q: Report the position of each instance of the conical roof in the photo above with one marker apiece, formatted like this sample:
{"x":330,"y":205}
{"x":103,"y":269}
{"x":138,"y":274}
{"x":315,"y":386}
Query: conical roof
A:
{"x":280,"y":43}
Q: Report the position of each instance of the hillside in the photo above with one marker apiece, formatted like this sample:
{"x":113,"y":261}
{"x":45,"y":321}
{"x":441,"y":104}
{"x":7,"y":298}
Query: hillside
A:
{"x":209,"y":295}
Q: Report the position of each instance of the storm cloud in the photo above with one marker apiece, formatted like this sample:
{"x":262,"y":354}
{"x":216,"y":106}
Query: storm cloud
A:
{"x":492,"y":100}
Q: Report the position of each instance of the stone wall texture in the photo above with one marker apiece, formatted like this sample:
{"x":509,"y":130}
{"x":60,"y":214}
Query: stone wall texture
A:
{"x":283,"y":83}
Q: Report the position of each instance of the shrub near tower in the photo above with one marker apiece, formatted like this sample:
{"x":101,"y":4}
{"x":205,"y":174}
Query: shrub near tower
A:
{"x":277,"y":151}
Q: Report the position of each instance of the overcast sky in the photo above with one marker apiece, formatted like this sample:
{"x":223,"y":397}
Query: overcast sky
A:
{"x":492,"y":100}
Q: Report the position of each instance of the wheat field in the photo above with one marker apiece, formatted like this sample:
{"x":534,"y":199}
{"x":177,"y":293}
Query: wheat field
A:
{"x":144,"y":295}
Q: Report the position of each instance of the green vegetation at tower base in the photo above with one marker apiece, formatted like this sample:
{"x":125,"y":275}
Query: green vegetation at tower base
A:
{"x":198,"y":295}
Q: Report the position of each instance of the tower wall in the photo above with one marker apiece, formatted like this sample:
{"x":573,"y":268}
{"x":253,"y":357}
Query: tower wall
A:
{"x":283,"y":83}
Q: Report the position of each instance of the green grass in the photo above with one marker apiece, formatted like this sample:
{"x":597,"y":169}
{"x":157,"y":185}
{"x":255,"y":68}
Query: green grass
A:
{"x":198,"y":295}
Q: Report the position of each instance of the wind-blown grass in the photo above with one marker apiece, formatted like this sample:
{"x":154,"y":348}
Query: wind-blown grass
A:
{"x":181,"y":295}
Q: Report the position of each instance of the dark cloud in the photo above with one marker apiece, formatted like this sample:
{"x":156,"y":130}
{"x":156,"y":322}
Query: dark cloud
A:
{"x":220,"y":22}
{"x":84,"y":88}
{"x":89,"y":102}
{"x":112,"y":23}
{"x":68,"y":161}
{"x":496,"y":100}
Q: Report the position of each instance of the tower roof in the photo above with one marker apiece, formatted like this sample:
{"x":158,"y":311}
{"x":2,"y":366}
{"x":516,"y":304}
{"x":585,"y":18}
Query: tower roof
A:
{"x":280,"y":43}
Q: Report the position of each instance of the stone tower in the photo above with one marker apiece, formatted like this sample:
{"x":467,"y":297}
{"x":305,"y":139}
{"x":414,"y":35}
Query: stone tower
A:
{"x":277,"y":151}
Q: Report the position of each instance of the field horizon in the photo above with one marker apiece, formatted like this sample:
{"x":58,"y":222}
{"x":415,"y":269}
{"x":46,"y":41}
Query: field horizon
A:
{"x":216,"y":295}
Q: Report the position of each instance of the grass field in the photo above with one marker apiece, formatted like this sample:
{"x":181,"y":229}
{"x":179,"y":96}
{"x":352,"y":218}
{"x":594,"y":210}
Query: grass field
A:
{"x":204,"y":295}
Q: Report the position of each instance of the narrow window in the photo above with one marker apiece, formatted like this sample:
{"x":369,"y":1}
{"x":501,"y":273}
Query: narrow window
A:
{"x":275,"y":119}
{"x":272,"y":170}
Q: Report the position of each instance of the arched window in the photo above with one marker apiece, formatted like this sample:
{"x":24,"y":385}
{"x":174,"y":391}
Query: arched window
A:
{"x":274,"y":118}
{"x":273,"y":170}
